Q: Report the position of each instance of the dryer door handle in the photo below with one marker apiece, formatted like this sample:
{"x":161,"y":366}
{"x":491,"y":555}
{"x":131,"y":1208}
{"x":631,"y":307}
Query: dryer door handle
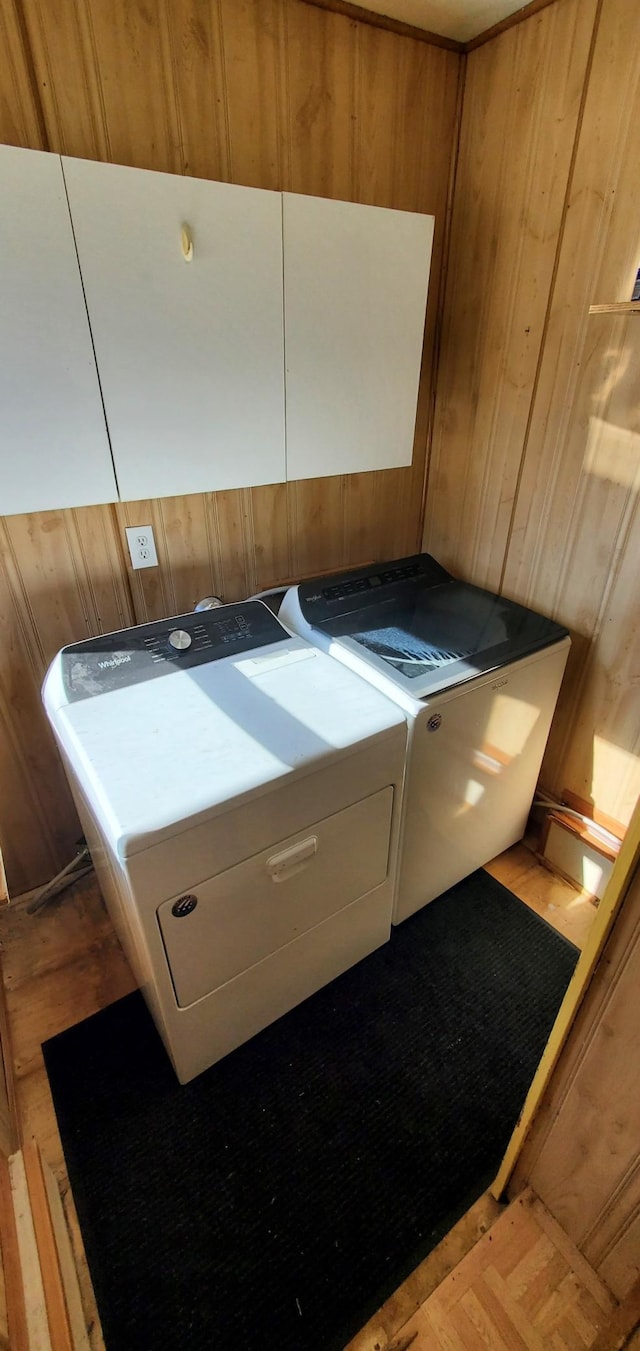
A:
{"x":291,"y":861}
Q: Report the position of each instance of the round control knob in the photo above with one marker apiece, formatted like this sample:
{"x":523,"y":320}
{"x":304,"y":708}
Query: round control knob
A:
{"x":180,"y":640}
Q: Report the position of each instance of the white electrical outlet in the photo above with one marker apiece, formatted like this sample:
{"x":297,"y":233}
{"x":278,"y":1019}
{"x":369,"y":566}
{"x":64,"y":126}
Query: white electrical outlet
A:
{"x":142,"y":546}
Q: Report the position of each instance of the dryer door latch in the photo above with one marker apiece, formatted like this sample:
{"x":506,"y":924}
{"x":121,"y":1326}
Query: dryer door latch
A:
{"x":291,"y":861}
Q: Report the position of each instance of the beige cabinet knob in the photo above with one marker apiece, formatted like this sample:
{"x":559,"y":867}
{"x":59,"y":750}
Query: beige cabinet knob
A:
{"x":187,"y":243}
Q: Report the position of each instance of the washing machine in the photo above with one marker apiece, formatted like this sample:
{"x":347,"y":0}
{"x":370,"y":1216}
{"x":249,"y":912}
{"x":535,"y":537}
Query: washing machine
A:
{"x":240,"y":792}
{"x":477,"y":677}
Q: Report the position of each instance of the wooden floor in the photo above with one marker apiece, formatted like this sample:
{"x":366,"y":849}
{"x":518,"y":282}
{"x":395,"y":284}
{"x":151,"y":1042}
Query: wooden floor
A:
{"x":523,"y":1287}
{"x":65,"y":963}
{"x":58,"y":967}
{"x":566,"y":909}
{"x":572,"y":914}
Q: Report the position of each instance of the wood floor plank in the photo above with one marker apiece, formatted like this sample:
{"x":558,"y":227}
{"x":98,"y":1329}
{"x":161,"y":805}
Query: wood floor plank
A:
{"x":483,"y":1324}
{"x":558,"y":1342}
{"x":549,"y":1312}
{"x":382,"y":1328}
{"x":520,"y":1265}
{"x":503,"y":1305}
{"x":570,"y":1312}
{"x":38,"y":1118}
{"x":507,"y":1242}
{"x":535,"y":1260}
{"x":436,"y":1331}
{"x":555,"y":900}
{"x":47,"y":941}
{"x":47,"y":1005}
{"x":548,"y":1278}
{"x":591,"y":1311}
{"x":524,"y":1287}
{"x":575,"y":1260}
{"x":584,"y":1328}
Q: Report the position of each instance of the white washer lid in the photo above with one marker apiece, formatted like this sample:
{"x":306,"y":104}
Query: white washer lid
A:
{"x":157,"y":756}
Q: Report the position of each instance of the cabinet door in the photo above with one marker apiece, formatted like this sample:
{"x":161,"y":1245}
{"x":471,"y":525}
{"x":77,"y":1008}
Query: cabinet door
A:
{"x":356,"y":281}
{"x":189,"y":352}
{"x":54,"y":448}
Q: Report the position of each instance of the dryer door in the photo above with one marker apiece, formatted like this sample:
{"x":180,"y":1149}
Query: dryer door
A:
{"x":234,"y":920}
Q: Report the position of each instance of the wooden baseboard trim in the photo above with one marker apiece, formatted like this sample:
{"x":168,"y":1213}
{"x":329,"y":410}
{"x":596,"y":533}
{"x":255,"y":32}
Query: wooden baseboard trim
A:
{"x":581,"y":804}
{"x":54,"y":1292}
{"x":582,"y":831}
{"x":14,"y":1289}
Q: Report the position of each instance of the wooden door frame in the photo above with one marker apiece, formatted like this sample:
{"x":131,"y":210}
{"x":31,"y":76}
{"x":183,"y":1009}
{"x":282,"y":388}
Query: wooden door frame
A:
{"x":623,"y":870}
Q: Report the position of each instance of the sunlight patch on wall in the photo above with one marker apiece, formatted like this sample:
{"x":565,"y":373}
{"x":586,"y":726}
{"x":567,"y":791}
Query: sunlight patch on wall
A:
{"x":612,"y":453}
{"x":613,"y":765}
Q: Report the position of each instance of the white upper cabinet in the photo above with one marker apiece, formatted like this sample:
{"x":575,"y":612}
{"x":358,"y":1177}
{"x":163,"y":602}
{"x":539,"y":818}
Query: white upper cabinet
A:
{"x":189,"y":352}
{"x":54,"y":449}
{"x":356,"y":280}
{"x":194,"y":341}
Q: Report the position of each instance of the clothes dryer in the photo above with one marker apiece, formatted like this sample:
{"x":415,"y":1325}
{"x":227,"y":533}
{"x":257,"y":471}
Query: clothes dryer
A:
{"x":240,"y":793}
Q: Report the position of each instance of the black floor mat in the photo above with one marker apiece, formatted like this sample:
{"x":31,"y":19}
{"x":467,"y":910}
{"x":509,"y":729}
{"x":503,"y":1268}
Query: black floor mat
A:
{"x":279,"y":1198}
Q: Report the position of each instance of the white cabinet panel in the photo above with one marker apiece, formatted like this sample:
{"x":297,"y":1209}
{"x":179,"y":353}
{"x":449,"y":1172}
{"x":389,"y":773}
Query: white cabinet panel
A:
{"x":356,"y":280}
{"x":189,"y":353}
{"x":54,"y":449}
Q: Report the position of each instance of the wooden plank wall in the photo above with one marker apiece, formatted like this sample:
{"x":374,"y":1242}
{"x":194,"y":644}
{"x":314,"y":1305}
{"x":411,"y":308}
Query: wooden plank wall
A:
{"x":270,"y":93}
{"x":534,"y":472}
{"x":583,"y":1154}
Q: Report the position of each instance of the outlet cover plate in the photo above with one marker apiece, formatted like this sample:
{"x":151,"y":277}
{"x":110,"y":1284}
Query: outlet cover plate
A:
{"x":142,"y":546}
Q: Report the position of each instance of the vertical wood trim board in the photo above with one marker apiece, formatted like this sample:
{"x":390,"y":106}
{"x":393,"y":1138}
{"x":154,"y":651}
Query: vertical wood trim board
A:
{"x":527,"y":1128}
{"x":37,"y":1324}
{"x":18,"y":1333}
{"x":583,"y":1154}
{"x":270,"y":93}
{"x":47,"y":1244}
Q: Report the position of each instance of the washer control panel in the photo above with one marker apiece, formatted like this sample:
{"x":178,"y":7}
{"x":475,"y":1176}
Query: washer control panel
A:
{"x":350,"y":592}
{"x":112,"y":661}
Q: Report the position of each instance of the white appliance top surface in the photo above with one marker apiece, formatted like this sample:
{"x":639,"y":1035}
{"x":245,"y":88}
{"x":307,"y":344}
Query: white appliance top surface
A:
{"x":160,"y":753}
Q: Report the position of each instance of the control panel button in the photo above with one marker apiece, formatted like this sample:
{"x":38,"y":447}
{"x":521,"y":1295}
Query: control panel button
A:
{"x":180,"y":640}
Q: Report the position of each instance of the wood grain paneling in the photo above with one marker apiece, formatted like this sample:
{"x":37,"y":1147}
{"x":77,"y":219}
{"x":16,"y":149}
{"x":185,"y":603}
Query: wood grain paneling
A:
{"x":522,"y":100}
{"x":320,"y":101}
{"x":275,"y":94}
{"x":583,"y":1155}
{"x":533,"y":486}
{"x":21,"y":121}
{"x":575,"y":541}
{"x":586,"y":566}
{"x":253,"y":36}
{"x":106,"y":81}
{"x":60,"y":574}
